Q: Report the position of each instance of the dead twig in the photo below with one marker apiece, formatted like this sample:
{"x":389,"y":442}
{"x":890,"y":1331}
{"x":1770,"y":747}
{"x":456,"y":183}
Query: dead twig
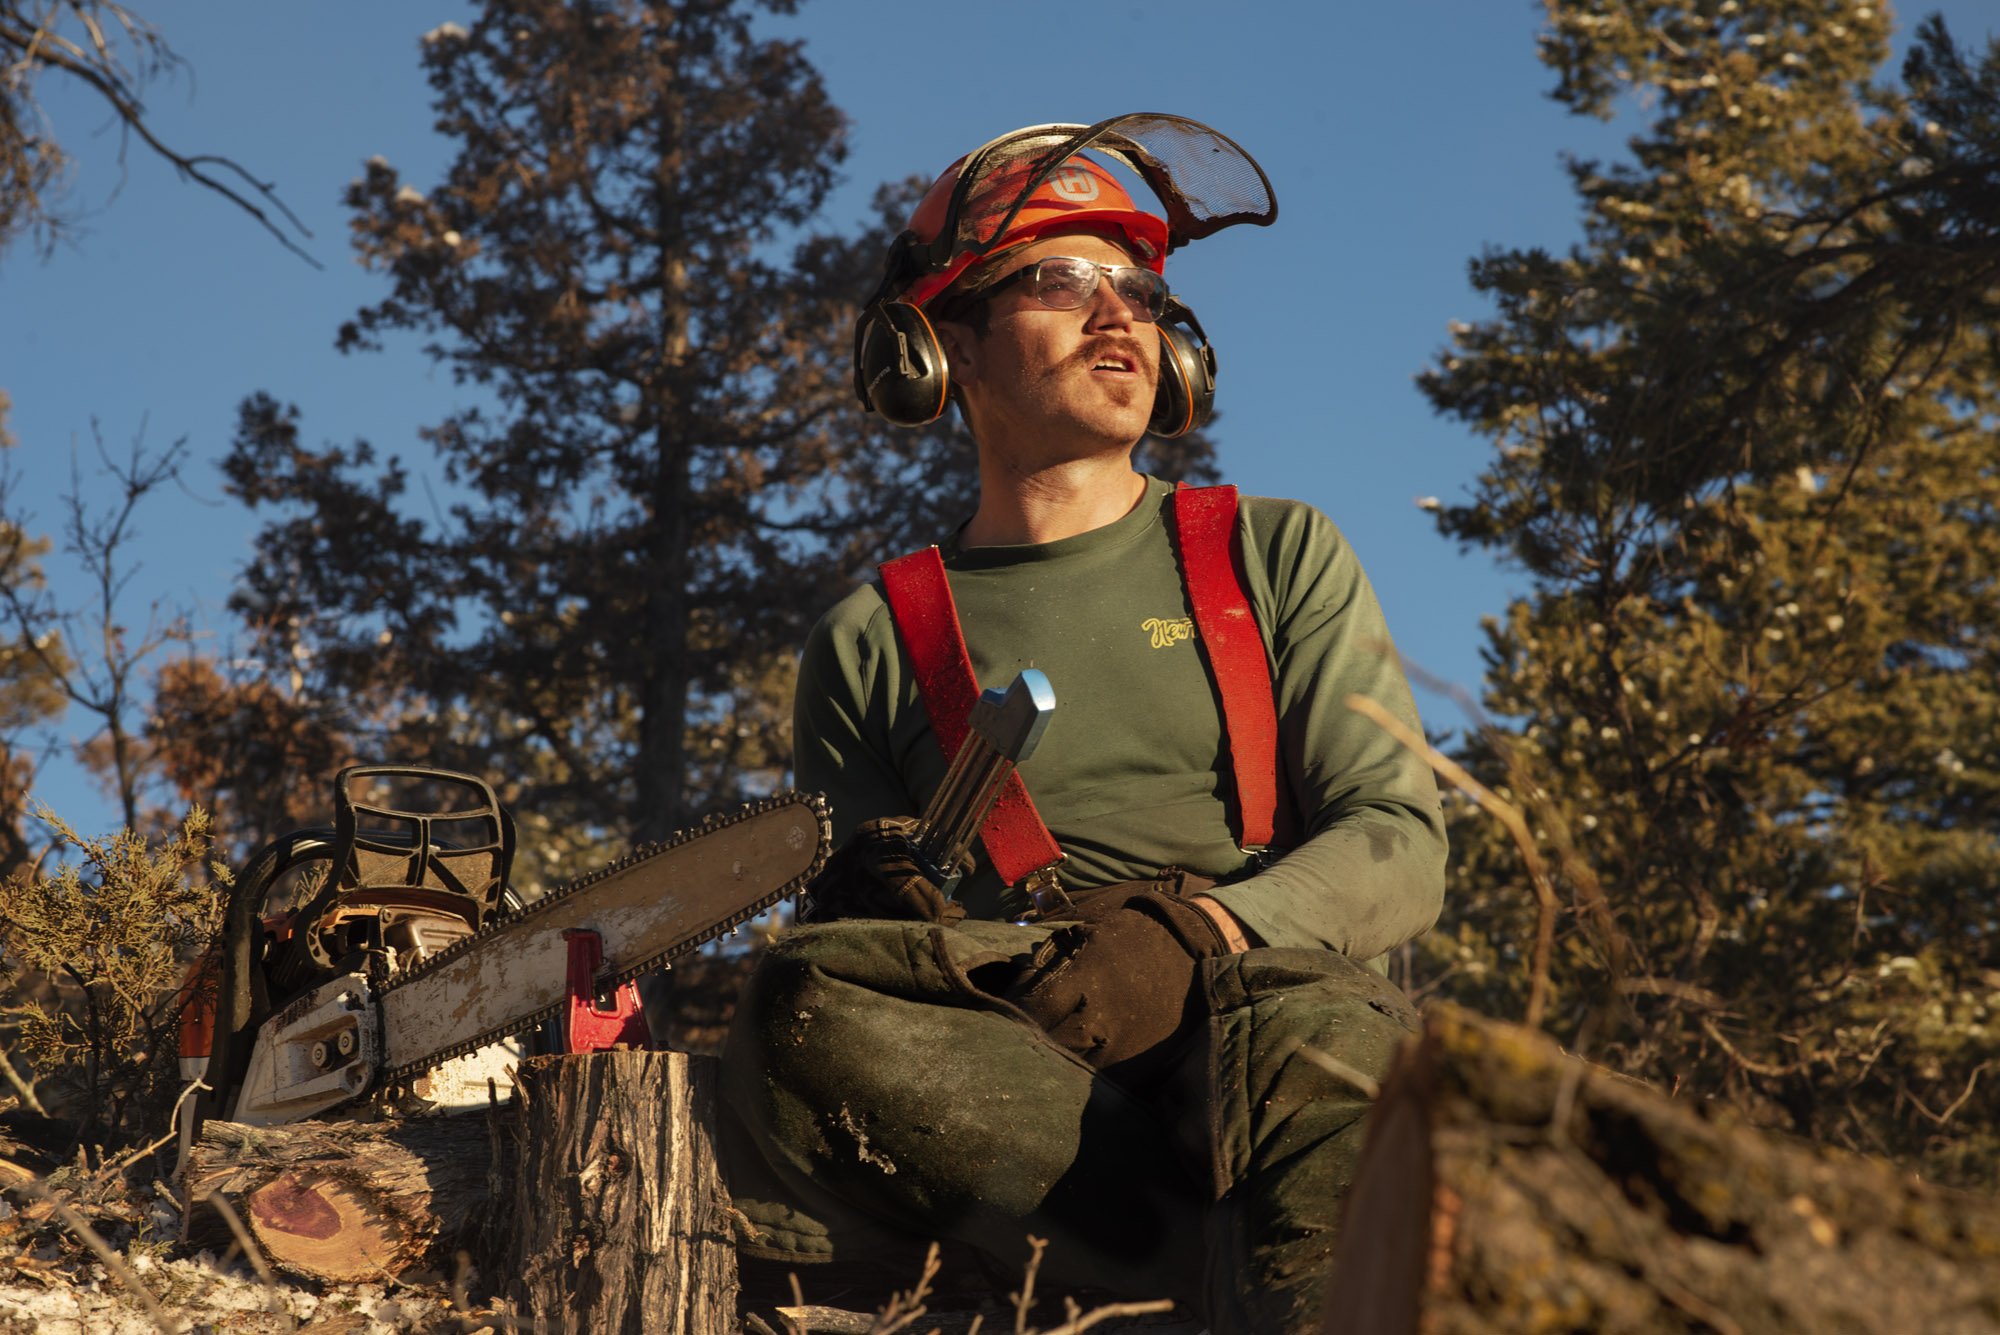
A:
{"x":1517,"y":828}
{"x":116,"y":1166}
{"x":1941,"y":1118}
{"x":1749,"y":1064}
{"x":793,"y":1326}
{"x":243,"y":1239}
{"x":1024,"y":1301}
{"x":274,"y":1295}
{"x":905,"y":1308}
{"x":1589,"y":893}
{"x":1671,"y":987}
{"x":1370,"y":1087}
{"x":1085,"y":1320}
{"x":23,"y":1089}
{"x":827,"y":1320}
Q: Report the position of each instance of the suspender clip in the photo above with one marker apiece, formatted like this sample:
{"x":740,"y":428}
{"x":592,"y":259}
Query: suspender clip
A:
{"x":1046,"y":892}
{"x":1261,"y":856}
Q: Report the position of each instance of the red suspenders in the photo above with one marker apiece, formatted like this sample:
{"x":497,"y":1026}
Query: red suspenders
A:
{"x":920,"y":602}
{"x":1211,"y":552}
{"x":1211,"y":558}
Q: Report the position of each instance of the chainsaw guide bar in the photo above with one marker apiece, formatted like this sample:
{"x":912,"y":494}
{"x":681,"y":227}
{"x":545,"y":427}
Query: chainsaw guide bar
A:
{"x":650,"y":907}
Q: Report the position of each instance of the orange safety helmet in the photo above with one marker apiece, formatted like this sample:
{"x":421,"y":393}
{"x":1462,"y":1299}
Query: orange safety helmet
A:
{"x":1078,"y":193}
{"x":1031,"y":182}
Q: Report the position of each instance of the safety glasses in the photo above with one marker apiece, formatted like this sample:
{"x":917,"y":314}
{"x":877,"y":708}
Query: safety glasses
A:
{"x":1063,"y":283}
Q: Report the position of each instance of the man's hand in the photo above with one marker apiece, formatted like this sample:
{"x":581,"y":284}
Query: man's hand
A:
{"x":877,"y":874}
{"x":1118,"y":987}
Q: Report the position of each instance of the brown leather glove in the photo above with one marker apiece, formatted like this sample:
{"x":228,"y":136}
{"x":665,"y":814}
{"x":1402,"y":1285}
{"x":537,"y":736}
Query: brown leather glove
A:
{"x":877,"y":874}
{"x":1117,"y":988}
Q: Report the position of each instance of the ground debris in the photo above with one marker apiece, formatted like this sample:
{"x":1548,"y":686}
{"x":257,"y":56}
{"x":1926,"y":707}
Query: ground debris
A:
{"x":205,"y":1294}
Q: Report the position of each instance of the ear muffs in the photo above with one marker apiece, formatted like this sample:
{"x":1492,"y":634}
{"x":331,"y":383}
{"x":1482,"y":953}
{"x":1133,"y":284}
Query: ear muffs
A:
{"x":901,"y":372}
{"x":900,"y":369}
{"x":1186,"y":395}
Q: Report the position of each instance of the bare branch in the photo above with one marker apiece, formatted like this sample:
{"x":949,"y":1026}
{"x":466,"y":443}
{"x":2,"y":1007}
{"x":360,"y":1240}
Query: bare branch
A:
{"x":23,"y":1089}
{"x":1945,"y":1117}
{"x":251,"y":1253}
{"x":112,"y":1168}
{"x":99,"y":69}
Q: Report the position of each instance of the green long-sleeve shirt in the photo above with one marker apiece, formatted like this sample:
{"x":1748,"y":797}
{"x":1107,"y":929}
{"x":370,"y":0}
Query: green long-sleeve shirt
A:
{"x":1132,"y":773}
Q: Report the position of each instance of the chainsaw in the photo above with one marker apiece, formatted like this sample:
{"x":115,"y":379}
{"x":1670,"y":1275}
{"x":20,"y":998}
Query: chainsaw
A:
{"x":396,"y":965}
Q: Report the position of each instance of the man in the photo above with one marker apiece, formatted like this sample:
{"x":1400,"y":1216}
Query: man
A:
{"x":1143,"y":1073}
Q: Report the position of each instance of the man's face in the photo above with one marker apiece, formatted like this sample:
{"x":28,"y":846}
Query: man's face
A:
{"x":1046,"y":385}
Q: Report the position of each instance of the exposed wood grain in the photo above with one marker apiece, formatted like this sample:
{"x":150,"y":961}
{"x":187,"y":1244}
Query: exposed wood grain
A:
{"x":344,"y":1201}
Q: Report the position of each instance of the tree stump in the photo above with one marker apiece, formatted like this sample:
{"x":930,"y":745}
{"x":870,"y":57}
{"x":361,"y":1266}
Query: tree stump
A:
{"x":343,"y":1201}
{"x":619,"y":1219}
{"x":598,"y":1206}
{"x":1507,"y":1186}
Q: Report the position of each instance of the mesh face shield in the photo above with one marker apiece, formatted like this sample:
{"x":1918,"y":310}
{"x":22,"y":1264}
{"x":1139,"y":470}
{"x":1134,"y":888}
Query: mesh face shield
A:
{"x":1204,"y":180}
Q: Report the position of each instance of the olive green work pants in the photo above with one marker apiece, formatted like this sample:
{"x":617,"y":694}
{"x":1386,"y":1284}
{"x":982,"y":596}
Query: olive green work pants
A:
{"x":880,"y":1092}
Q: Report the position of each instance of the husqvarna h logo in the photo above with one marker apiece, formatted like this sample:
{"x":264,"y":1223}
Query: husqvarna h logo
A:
{"x":1074,"y":184}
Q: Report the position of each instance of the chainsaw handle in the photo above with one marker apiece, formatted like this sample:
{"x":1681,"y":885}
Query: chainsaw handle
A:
{"x":416,"y":858}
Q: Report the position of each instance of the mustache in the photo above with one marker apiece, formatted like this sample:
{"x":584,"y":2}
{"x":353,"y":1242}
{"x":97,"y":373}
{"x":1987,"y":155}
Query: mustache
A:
{"x":1108,"y":345}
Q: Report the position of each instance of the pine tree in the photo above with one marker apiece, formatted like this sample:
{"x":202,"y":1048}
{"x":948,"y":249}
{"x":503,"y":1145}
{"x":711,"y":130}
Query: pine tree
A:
{"x":665,"y":477}
{"x":258,"y":758}
{"x":1746,"y":460}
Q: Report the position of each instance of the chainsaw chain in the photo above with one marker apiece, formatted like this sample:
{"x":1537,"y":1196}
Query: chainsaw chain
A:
{"x":513,"y":920}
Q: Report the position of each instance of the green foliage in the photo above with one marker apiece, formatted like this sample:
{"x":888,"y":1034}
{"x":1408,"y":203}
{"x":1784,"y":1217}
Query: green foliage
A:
{"x":666,"y":481}
{"x":110,"y":937}
{"x":1747,"y":461}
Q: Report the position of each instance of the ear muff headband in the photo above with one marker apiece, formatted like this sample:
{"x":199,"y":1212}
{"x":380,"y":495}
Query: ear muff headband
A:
{"x":900,"y":369}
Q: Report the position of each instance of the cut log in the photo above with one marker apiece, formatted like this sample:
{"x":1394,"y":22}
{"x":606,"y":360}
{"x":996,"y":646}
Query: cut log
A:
{"x":599,"y":1207}
{"x":621,"y":1220}
{"x":1508,"y":1186}
{"x":344,"y":1201}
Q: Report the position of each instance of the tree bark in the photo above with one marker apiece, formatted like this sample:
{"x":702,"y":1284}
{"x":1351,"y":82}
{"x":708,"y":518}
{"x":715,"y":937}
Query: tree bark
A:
{"x":621,"y":1218}
{"x":1509,"y":1186}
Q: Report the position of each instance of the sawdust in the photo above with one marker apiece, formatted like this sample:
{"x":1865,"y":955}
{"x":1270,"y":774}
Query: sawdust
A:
{"x":205,"y":1294}
{"x":852,"y":1126}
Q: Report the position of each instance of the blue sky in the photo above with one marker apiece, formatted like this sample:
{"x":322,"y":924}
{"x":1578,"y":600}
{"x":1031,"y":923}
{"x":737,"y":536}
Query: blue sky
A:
{"x":1401,"y":139}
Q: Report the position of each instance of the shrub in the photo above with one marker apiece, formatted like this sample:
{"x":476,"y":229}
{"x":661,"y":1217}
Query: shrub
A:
{"x":112,"y":933}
